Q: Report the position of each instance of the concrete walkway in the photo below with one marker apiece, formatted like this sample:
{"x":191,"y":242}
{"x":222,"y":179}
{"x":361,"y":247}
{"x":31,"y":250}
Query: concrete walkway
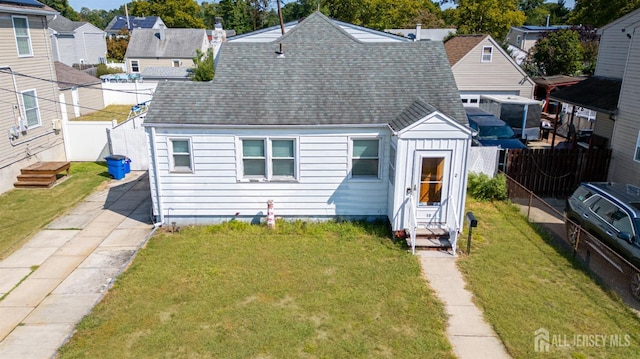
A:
{"x":469,"y":334}
{"x":57,"y":277}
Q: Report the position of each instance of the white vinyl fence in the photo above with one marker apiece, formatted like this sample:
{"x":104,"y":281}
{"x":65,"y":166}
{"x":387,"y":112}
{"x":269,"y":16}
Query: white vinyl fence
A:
{"x":484,"y":160}
{"x":129,"y":139}
{"x":86,"y":140}
{"x":127,"y":93}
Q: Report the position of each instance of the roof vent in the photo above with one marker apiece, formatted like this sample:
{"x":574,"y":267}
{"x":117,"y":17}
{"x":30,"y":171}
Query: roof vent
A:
{"x":280,"y":52}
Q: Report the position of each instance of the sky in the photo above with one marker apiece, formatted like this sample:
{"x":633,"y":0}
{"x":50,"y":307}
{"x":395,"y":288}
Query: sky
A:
{"x":77,"y":5}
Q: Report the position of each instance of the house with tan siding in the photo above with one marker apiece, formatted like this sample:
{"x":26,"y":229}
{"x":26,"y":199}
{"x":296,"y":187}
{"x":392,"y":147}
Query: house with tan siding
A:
{"x":164,"y":48}
{"x":481,"y":67}
{"x":29,"y":110}
{"x":80,"y":93}
{"x":613,"y":93}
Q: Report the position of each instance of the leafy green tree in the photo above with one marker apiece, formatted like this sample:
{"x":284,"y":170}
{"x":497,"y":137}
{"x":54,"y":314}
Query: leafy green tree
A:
{"x":557,"y":12}
{"x":235,"y":15}
{"x":493,"y":17}
{"x":382,"y":14}
{"x":105,"y":70}
{"x":63,"y":7}
{"x":174,"y":13}
{"x":203,"y":69}
{"x":117,"y":46}
{"x":99,"y":18}
{"x":559,"y":53}
{"x":601,"y":12}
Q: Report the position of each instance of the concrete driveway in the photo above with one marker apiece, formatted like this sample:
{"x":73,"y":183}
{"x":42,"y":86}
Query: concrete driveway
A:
{"x":57,"y":277}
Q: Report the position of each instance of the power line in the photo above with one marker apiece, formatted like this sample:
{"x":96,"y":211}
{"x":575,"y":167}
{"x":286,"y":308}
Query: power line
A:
{"x":58,"y":102}
{"x":72,"y":84}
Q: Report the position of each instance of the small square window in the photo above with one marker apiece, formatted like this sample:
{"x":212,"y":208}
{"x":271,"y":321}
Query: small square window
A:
{"x":487,"y":53}
{"x":181,"y":155}
{"x":177,"y":63}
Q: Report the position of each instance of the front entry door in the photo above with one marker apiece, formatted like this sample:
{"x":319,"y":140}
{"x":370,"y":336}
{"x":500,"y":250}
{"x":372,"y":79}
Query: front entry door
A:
{"x":431,"y":186}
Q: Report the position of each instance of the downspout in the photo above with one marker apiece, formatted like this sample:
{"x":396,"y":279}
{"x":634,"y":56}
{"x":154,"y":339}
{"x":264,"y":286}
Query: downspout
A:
{"x":52,"y":72}
{"x":154,"y":154}
{"x":15,"y":90}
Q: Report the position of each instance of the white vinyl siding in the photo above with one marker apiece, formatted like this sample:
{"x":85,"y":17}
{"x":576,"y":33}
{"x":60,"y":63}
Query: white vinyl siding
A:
{"x":31,"y":110}
{"x":487,"y":53}
{"x":23,"y":38}
{"x":181,"y":159}
{"x":365,"y":158}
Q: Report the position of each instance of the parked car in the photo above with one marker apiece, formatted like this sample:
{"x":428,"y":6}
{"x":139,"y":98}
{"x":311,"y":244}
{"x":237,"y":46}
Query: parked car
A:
{"x":492,"y":131}
{"x":611,"y":213}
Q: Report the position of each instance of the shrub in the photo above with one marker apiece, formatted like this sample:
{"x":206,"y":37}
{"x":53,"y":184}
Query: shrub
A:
{"x":105,"y":70}
{"x":485,"y":188}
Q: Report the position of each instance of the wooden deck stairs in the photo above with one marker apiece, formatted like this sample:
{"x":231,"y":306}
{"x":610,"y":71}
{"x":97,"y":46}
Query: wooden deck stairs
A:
{"x":430,"y":239}
{"x":41,"y":174}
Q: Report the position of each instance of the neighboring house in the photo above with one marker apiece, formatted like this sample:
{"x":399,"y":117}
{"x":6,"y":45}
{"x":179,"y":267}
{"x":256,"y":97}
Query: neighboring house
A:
{"x":132,"y":23}
{"x":419,"y":33}
{"x":82,"y":92}
{"x":481,"y":67}
{"x":613,"y":93}
{"x":319,"y":122}
{"x":164,"y":48}
{"x":29,"y":113}
{"x":76,"y":42}
{"x":525,"y":37}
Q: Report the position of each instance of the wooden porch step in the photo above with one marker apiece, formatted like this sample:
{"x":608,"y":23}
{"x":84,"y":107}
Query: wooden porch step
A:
{"x":21,"y":184}
{"x":45,"y":178}
{"x":46,"y":168}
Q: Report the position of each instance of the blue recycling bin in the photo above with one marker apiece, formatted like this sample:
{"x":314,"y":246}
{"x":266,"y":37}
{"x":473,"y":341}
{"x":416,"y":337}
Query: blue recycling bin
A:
{"x":127,"y":165}
{"x":115,"y":165}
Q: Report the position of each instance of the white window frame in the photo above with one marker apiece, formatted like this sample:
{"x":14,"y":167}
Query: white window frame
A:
{"x":268,"y":159}
{"x":636,"y":156}
{"x":378,"y":177}
{"x":37,"y":108}
{"x":137,"y":65}
{"x":393,"y":156}
{"x":518,"y":40}
{"x":15,"y":34}
{"x":176,"y":63}
{"x":483,"y":55}
{"x":172,"y":166}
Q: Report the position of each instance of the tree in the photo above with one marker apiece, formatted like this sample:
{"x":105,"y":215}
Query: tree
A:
{"x":63,"y":7}
{"x":99,"y":18}
{"x":174,"y":13}
{"x":558,"y":53}
{"x":557,"y":14}
{"x":381,"y":14}
{"x":493,"y":17}
{"x":117,"y":46}
{"x":203,"y":69}
{"x":601,"y":12}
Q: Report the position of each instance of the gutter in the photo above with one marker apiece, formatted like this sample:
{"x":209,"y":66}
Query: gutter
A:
{"x":15,"y":89}
{"x":173,"y":125}
{"x":15,"y":10}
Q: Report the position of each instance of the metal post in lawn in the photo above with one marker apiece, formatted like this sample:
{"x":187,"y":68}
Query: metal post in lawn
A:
{"x":473,"y":222}
{"x":271,"y":221}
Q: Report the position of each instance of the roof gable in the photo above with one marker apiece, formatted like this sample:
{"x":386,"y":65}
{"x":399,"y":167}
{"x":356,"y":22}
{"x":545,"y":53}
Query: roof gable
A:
{"x":635,"y":13}
{"x":320,"y":80}
{"x":459,"y":46}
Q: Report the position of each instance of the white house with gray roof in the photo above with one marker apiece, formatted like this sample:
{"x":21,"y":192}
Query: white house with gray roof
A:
{"x":322,"y":124}
{"x":76,"y":42}
{"x":164,"y":48}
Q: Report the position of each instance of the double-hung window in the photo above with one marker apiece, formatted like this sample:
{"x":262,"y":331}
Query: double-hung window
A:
{"x":181,"y":158}
{"x":365,"y":158}
{"x":392,"y":166}
{"x":135,"y":66}
{"x":269,"y":159}
{"x":31,"y":111}
{"x":487,"y":53}
{"x":23,"y":40}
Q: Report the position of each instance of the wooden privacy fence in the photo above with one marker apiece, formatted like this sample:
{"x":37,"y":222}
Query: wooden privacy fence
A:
{"x":557,"y":172}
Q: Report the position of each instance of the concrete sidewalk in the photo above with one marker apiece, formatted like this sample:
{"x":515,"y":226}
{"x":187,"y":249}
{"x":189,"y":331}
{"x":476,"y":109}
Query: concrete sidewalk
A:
{"x":469,"y":334}
{"x":57,"y":277}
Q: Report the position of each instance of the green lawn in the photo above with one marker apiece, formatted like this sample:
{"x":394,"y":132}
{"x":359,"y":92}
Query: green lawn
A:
{"x":25,"y":211}
{"x":329,"y":290}
{"x":111,"y":112}
{"x":523,"y":283}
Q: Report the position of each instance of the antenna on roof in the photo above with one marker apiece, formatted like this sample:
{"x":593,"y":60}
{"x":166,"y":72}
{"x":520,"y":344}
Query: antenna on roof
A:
{"x":126,"y":13}
{"x":280,"y":15}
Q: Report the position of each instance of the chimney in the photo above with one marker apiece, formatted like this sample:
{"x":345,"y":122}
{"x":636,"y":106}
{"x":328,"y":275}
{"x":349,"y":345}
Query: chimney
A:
{"x":218,"y":36}
{"x":418,"y":31}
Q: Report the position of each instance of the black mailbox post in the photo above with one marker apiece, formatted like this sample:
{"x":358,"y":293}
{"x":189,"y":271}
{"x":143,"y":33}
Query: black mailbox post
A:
{"x":473,"y":222}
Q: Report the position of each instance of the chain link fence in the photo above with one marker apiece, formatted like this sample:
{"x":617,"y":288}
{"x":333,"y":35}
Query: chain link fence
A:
{"x":613,"y":271}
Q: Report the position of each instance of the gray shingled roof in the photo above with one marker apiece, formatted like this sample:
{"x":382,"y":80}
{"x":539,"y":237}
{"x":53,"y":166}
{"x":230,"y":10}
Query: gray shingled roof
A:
{"x":326,"y":77}
{"x":178,"y":43}
{"x":595,"y":93}
{"x":60,"y":23}
{"x":166,"y":73}
{"x":69,"y":77}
